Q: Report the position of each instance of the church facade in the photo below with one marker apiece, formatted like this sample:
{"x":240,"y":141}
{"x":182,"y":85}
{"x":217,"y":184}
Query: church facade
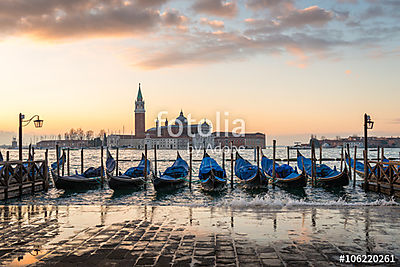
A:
{"x":179,"y":135}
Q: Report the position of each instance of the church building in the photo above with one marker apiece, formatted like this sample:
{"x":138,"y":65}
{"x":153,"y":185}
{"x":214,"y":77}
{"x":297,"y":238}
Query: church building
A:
{"x":178,"y":135}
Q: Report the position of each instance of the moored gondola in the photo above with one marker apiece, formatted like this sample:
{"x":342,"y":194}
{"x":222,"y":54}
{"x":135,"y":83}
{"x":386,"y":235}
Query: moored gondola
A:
{"x":90,"y":179}
{"x":212,"y":176}
{"x":325,"y":176}
{"x":132,"y":179}
{"x":174,"y":177}
{"x":251,"y":176}
{"x":286,"y":176}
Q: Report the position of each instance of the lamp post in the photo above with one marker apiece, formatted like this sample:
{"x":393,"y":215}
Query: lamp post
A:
{"x":368,"y":125}
{"x":22,"y":123}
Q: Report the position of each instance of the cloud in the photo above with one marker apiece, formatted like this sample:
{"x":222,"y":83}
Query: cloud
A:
{"x":206,"y":47}
{"x":69,"y":19}
{"x":215,"y":24}
{"x":220,"y":8}
{"x":372,"y":12}
{"x":313,"y":15}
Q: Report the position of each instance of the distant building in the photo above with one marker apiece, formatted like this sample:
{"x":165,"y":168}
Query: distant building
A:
{"x":69,"y":143}
{"x":179,"y":135}
{"x":248,"y":140}
{"x":63,"y":143}
{"x":386,"y":142}
{"x":14,"y":143}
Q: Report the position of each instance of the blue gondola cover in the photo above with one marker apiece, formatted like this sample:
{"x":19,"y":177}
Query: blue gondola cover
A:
{"x":179,"y":169}
{"x":208,"y":164}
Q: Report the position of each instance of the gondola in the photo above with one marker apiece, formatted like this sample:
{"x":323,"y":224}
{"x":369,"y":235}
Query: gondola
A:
{"x":325,"y":176}
{"x":212,"y":176}
{"x":133,"y":178}
{"x":174,"y":177}
{"x":285,"y":175}
{"x":90,"y":179}
{"x":251,"y":176}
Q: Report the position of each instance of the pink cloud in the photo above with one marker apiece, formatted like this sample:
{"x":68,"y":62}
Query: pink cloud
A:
{"x":219,"y":8}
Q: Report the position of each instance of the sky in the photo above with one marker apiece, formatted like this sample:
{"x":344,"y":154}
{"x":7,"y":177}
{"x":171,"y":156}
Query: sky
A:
{"x":288,"y":68}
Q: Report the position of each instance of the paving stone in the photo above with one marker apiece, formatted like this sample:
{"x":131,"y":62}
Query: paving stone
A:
{"x":271,"y":262}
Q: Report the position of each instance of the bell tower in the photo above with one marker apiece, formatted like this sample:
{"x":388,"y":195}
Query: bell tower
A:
{"x":139,"y":115}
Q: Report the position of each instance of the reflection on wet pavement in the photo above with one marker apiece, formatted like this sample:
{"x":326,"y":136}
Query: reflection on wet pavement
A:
{"x":187,"y":236}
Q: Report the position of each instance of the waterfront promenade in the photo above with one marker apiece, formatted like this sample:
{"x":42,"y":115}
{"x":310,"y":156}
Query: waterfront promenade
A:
{"x":194,"y":236}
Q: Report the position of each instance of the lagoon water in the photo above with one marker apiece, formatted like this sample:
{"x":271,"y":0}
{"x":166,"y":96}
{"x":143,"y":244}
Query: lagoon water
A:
{"x":348,"y":196}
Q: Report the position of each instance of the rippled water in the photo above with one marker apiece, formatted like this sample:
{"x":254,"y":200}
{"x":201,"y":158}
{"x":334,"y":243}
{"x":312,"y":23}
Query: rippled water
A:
{"x":237,"y":197}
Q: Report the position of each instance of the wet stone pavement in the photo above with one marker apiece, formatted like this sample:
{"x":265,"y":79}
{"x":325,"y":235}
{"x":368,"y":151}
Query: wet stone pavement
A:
{"x":179,"y":236}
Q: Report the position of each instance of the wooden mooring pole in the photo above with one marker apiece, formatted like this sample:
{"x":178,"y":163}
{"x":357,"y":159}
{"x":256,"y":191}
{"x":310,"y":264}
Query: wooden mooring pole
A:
{"x":116,"y":164}
{"x":190,"y":166}
{"x":313,"y":162}
{"x":102,"y":166}
{"x":341,"y":160}
{"x":68,"y":169}
{"x":63,"y":165}
{"x":46,"y":184}
{"x":273,"y":162}
{"x":223,"y":158}
{"x":320,"y":154}
{"x":145,"y":166}
{"x":82,"y":160}
{"x":231,"y":165}
{"x":366,"y":185}
{"x":348,"y":154}
{"x":354,"y":168}
{"x":288,"y":155}
{"x":8,"y":155}
{"x":58,"y":162}
{"x":155,"y":159}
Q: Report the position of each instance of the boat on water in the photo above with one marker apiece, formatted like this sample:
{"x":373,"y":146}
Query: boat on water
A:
{"x":212,"y":176}
{"x":251,"y":176}
{"x":325,"y":176}
{"x":133,"y":178}
{"x":174,"y":177}
{"x":285,"y":175}
{"x":90,"y":179}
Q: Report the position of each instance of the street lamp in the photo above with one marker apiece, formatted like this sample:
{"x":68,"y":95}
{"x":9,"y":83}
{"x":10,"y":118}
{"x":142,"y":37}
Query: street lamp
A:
{"x":22,"y":123}
{"x":368,"y":125}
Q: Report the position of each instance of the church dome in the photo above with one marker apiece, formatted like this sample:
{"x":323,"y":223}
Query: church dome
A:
{"x":182,"y":119}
